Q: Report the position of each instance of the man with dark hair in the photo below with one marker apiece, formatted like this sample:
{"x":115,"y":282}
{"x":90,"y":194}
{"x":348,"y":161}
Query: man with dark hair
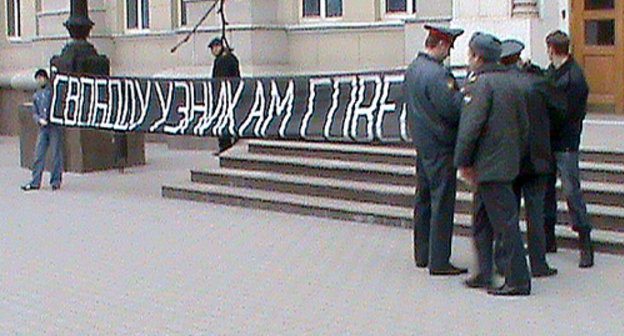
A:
{"x":225,"y":65}
{"x":491,"y":142}
{"x":48,"y":135}
{"x":434,"y":103}
{"x":537,"y":162}
{"x":568,"y":78}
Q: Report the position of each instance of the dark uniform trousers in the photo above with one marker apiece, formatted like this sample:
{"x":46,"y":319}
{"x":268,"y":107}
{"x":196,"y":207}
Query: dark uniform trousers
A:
{"x":496,"y":215}
{"x":434,"y":210}
{"x":533,"y":189}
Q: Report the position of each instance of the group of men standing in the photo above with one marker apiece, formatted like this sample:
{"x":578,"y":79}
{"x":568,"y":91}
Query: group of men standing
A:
{"x":505,"y":132}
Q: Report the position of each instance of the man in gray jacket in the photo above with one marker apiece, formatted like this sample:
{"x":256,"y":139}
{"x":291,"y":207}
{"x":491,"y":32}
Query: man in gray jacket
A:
{"x":434,"y":103}
{"x":492,"y":139}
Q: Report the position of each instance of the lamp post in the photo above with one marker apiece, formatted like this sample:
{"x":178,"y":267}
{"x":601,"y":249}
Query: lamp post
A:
{"x":88,"y":150}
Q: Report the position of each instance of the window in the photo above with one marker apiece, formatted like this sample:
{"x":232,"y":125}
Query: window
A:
{"x":187,"y":6}
{"x":600,"y":32}
{"x":14,"y":21}
{"x":599,"y":4}
{"x":322,"y":8}
{"x":137,"y":14}
{"x":400,"y":6}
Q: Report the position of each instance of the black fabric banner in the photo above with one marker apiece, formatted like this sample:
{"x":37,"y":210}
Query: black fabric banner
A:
{"x":340,"y":108}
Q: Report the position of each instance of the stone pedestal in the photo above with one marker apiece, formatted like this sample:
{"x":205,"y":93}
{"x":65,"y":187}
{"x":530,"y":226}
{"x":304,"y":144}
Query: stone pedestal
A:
{"x":85,"y":150}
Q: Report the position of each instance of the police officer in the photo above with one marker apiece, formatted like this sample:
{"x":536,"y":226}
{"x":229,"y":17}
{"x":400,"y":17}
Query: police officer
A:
{"x":536,"y":164}
{"x":225,"y":65}
{"x":434,"y":103}
{"x":492,"y":139}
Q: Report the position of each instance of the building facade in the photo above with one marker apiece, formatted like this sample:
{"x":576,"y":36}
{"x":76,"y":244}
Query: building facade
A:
{"x":278,"y":37}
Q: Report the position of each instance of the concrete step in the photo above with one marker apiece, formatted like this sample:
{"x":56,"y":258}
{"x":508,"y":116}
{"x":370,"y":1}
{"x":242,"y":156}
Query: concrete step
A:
{"x":361,"y":212}
{"x":604,"y":217}
{"x":239,"y":158}
{"x":404,"y":154}
{"x":370,"y":191}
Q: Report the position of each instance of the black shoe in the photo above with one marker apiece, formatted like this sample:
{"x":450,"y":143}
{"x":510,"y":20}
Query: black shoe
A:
{"x":587,"y":250}
{"x":29,"y":187}
{"x":448,"y":270}
{"x":422,"y":264}
{"x":506,"y":290}
{"x":56,"y":187}
{"x":551,"y":248}
{"x":478,"y":281}
{"x":543,"y":273}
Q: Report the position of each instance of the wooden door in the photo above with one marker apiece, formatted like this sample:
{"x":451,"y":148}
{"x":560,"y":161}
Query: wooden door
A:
{"x":597,"y":44}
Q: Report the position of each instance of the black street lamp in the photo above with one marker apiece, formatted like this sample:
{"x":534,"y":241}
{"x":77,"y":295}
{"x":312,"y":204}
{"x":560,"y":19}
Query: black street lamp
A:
{"x":78,"y":55}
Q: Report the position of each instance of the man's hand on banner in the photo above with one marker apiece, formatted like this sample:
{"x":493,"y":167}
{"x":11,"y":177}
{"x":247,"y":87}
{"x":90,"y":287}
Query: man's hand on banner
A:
{"x":43,"y":122}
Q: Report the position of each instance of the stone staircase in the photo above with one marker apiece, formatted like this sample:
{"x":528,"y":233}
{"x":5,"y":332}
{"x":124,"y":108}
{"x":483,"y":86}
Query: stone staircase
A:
{"x":375,"y":185}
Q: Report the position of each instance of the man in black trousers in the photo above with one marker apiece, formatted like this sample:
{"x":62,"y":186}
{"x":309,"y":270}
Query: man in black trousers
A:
{"x":225,"y":65}
{"x":568,"y":78}
{"x":434,"y":103}
{"x":491,"y":142}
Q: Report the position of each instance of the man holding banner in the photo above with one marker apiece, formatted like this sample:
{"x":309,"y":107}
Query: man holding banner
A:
{"x":434,"y":103}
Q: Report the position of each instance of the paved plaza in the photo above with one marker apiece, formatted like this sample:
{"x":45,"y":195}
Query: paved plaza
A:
{"x":107,"y":255}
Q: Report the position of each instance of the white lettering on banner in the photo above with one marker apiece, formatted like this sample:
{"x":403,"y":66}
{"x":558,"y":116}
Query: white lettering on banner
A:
{"x":144,"y":102}
{"x":119,"y":105}
{"x":221,"y":108}
{"x":384,"y":106}
{"x":335,"y":102}
{"x":279,"y":105}
{"x":165,"y":105}
{"x":403,"y":124}
{"x":313,"y":82}
{"x":58,"y":79}
{"x":85,"y":112}
{"x":230,"y":119}
{"x":182,"y":110}
{"x":199,"y":108}
{"x":73,"y":96}
{"x":367,"y":112}
{"x":257,"y":112}
{"x":100,"y":106}
{"x":123,"y":105}
{"x":349,"y":111}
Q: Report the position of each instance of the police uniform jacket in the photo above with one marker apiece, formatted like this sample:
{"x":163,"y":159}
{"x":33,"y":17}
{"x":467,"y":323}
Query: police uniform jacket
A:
{"x":226,"y":66}
{"x":434,"y":103}
{"x":494,"y":125}
{"x":543,"y":103}
{"x":566,"y":130}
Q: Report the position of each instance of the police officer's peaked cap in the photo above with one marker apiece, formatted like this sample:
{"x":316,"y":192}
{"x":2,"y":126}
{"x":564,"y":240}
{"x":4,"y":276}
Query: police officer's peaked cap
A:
{"x":41,"y":72}
{"x":486,"y":46}
{"x":446,"y":33}
{"x":215,"y":42}
{"x":511,"y":48}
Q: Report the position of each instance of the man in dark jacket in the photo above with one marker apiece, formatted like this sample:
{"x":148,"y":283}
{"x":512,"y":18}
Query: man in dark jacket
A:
{"x":49,"y":135}
{"x":536,"y":165}
{"x":567,"y":77}
{"x":225,"y":66}
{"x":434,"y":102}
{"x":491,"y":142}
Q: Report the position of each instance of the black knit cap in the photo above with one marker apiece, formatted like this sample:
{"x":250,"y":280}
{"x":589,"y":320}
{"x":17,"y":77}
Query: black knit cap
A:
{"x":41,"y":72}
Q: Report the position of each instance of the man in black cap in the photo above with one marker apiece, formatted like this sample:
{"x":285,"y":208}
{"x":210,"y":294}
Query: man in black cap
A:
{"x":535,"y":166}
{"x":434,"y":103}
{"x":491,"y":142}
{"x":49,"y":135}
{"x":568,"y":78}
{"x":225,"y":66}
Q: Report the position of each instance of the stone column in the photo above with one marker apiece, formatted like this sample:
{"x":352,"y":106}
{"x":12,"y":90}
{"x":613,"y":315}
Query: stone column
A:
{"x":524,"y":8}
